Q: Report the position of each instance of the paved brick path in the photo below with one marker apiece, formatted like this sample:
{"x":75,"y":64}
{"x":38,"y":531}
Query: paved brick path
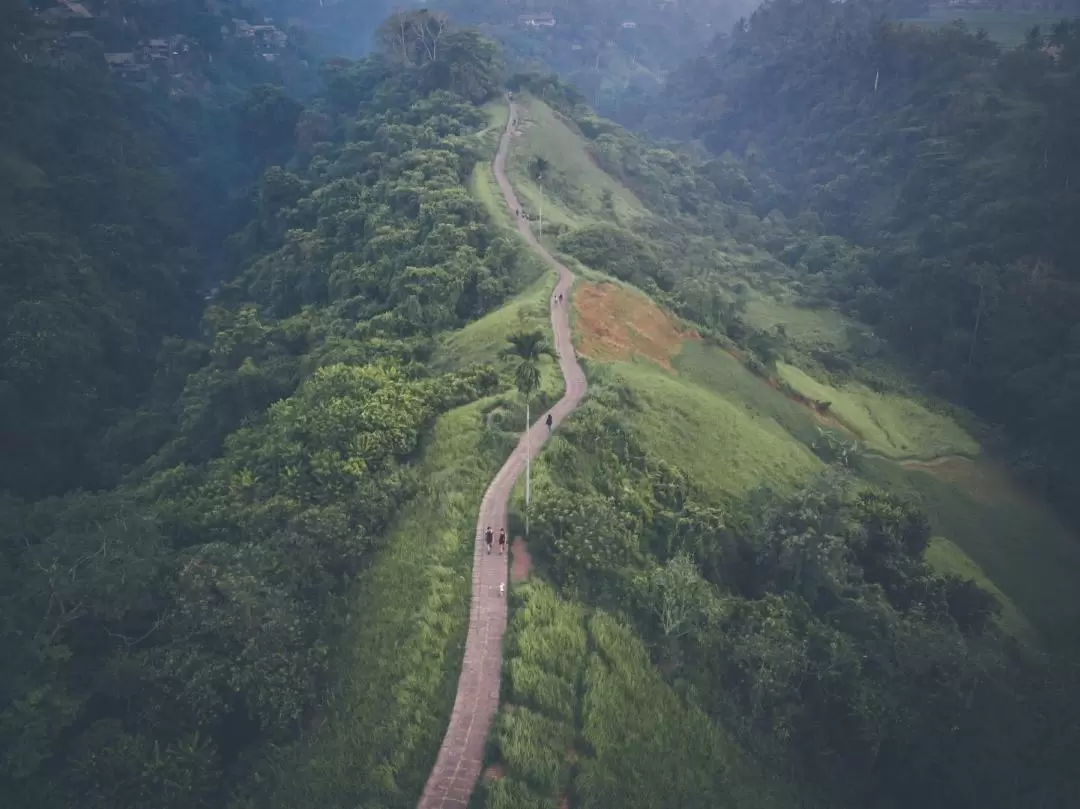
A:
{"x":460,"y":758}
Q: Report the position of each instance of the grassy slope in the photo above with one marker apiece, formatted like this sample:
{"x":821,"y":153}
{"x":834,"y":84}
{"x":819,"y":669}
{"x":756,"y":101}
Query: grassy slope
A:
{"x":734,"y":431}
{"x":948,"y":557}
{"x":808,"y":328}
{"x":379,"y":735}
{"x":1017,"y":543}
{"x":377,"y":738}
{"x":565,"y":727}
{"x":728,"y":447}
{"x":892,"y":425}
{"x":575,"y":185}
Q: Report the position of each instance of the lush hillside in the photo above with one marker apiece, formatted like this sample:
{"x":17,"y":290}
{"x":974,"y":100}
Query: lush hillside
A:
{"x":773,"y":567}
{"x":930,"y":174}
{"x":180,"y":639}
{"x":118,"y":189}
{"x":842,"y":592}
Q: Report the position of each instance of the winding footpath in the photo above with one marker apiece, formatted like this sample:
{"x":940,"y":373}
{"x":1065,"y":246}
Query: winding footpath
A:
{"x":462,"y":752}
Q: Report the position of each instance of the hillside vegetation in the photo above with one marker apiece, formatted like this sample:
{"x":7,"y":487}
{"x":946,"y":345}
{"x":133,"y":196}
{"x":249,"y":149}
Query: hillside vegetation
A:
{"x":781,"y":555}
{"x":223,"y":627}
{"x":924,"y":178}
{"x":775,"y":513}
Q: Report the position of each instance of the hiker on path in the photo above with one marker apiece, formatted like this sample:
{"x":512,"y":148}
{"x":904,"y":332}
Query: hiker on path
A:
{"x":560,"y":297}
{"x":547,"y":421}
{"x":487,"y":538}
{"x":502,"y":540}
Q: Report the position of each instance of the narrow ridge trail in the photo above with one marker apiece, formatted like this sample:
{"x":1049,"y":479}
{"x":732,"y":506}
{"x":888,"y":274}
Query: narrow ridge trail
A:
{"x":461,"y":755}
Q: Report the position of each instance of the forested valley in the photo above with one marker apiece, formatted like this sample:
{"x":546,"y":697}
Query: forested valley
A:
{"x":933,"y":177}
{"x":262,"y":330}
{"x":189,"y":491}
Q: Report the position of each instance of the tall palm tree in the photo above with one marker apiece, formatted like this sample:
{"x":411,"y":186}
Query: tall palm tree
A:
{"x":529,"y":347}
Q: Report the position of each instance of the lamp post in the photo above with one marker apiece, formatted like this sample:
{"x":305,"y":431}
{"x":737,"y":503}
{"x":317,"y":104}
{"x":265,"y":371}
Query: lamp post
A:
{"x":528,"y":464}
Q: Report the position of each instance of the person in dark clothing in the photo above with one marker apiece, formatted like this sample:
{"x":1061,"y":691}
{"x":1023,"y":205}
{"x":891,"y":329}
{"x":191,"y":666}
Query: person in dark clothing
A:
{"x":502,"y":540}
{"x":547,"y":421}
{"x":488,"y":538}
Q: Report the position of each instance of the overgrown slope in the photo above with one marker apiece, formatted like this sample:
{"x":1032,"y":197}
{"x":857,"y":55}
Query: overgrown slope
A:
{"x":928,"y":178}
{"x":749,"y":498}
{"x":181,"y":639}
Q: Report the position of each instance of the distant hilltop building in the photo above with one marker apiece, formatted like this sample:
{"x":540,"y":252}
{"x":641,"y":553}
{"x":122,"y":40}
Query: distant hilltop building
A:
{"x":545,"y":20}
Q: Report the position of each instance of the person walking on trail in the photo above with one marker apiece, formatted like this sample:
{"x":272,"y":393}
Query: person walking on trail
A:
{"x":487,"y":538}
{"x":502,"y":540}
{"x":547,"y":421}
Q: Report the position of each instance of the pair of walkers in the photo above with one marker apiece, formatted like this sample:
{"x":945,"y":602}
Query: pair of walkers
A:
{"x":489,"y":538}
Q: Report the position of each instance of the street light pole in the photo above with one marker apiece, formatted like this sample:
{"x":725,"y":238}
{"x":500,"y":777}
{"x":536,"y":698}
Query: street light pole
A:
{"x":528,"y":464}
{"x":540,"y":179}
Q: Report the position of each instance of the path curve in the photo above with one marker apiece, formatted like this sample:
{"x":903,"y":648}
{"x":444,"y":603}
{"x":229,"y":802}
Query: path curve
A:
{"x":461,"y":756}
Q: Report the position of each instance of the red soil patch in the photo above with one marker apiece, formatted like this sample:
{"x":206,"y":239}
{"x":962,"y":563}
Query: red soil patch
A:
{"x":494,"y":772}
{"x":616,"y":324}
{"x":521,"y":562}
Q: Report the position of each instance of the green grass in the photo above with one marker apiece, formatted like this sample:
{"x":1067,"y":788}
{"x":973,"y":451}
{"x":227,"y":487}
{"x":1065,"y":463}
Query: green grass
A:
{"x":1005,"y":27}
{"x":947,"y":557}
{"x":482,"y":340}
{"x":806,"y":328}
{"x":890,"y":424}
{"x":483,"y":186}
{"x":535,"y":731}
{"x":717,"y":370}
{"x":1010,"y":545}
{"x":497,"y":114}
{"x":625,"y":738}
{"x":1021,"y":549}
{"x":732,"y":431}
{"x":650,"y":747}
{"x":574,"y":188}
{"x":377,"y":738}
{"x":727,"y":447}
{"x":536,"y":747}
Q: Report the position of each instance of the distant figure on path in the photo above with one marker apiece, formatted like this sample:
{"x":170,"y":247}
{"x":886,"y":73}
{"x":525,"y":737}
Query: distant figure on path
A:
{"x":488,"y":538}
{"x":502,"y":540}
{"x":560,"y":297}
{"x":547,"y":421}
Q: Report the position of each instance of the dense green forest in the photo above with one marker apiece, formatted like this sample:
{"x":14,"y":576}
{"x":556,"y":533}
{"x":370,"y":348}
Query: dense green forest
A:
{"x":933,"y":177}
{"x":235,"y":528}
{"x":614,"y":51}
{"x":807,"y":625}
{"x":809,"y":652}
{"x":152,"y":633}
{"x":116,"y":197}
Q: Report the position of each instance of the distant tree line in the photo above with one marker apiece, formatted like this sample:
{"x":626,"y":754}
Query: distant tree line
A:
{"x":931,"y":178}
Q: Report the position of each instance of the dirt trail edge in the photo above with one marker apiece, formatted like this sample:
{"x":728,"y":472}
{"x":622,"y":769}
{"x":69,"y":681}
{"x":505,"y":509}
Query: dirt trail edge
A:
{"x":461,"y":756}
